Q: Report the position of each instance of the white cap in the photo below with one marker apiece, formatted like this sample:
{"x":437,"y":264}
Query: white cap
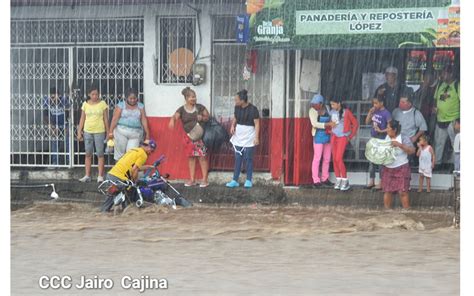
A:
{"x":391,"y":69}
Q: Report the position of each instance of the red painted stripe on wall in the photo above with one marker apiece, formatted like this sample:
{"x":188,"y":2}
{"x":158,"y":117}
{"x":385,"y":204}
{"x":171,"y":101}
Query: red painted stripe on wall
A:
{"x":170,"y":143}
{"x":299,"y":151}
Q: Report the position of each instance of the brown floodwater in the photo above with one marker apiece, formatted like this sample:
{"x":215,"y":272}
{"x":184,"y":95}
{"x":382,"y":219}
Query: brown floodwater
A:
{"x":232,"y":250}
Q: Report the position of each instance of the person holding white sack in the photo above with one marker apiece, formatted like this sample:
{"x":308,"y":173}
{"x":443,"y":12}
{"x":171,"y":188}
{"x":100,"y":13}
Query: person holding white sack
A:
{"x":245,"y":131}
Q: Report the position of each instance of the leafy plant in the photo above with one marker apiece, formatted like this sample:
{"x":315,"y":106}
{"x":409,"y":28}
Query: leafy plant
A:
{"x":427,"y":38}
{"x":256,"y":7}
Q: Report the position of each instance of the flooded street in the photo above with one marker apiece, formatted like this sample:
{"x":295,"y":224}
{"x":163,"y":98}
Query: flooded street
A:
{"x":238,"y":250}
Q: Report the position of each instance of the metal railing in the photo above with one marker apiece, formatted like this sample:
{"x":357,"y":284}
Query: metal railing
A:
{"x":175,"y":33}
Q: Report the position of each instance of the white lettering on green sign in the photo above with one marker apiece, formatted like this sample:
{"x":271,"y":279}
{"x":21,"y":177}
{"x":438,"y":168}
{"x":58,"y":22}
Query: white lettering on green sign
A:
{"x":400,"y":20}
{"x":267,"y":28}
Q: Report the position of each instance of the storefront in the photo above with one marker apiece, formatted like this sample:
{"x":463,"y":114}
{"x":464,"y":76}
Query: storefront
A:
{"x":341,"y":49}
{"x":283,"y":52}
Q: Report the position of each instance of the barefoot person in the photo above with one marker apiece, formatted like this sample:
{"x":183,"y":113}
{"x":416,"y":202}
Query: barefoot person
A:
{"x":193,"y":116}
{"x":396,"y":176}
{"x":426,"y":162}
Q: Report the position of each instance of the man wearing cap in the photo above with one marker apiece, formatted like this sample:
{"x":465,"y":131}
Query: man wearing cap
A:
{"x":320,"y":121}
{"x":390,"y":91}
{"x":130,"y":163}
{"x":448,"y":104}
{"x":412,"y":121}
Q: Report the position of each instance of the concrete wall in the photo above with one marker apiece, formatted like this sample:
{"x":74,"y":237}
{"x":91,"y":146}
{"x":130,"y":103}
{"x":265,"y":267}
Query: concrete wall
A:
{"x":161,"y":100}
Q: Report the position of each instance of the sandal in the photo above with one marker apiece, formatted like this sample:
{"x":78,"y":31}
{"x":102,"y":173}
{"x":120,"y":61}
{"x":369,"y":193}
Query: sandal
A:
{"x":204,"y":185}
{"x":370,"y":186}
{"x":190,"y":184}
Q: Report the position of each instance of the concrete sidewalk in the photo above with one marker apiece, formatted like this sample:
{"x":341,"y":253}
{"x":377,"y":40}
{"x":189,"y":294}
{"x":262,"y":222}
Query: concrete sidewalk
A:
{"x":265,"y":194}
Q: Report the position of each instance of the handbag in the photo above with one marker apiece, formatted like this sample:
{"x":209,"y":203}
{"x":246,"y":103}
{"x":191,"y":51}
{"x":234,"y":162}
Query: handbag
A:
{"x":380,"y":151}
{"x":196,"y":133}
{"x":214,"y":135}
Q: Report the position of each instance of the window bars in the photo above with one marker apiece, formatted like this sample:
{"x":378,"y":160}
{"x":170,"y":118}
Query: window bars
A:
{"x":176,"y":49}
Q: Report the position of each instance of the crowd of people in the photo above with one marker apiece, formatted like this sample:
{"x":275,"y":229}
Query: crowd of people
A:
{"x":129,"y":134}
{"x":410,"y":120}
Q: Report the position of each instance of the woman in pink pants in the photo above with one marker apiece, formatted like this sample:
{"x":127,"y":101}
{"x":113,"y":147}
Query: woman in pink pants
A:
{"x":320,"y":121}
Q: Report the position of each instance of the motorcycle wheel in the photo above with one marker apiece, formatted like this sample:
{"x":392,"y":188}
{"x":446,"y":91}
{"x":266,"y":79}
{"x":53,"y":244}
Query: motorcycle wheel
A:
{"x":107,"y":205}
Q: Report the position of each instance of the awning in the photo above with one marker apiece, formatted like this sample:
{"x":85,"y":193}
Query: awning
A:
{"x":328,"y":24}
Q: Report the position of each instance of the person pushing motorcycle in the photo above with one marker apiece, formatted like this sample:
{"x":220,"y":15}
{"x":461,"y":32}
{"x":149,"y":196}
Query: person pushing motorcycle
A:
{"x":133,"y":161}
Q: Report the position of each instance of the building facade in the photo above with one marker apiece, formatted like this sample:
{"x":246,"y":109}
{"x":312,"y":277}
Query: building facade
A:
{"x":70,"y":45}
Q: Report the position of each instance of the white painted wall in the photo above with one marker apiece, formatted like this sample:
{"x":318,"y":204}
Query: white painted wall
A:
{"x":163,"y":99}
{"x":278,"y":83}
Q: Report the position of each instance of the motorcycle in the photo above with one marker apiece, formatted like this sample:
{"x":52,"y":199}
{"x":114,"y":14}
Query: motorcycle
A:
{"x":152,"y":187}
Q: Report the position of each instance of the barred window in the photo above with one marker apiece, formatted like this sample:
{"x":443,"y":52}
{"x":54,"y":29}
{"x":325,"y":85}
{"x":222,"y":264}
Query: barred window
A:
{"x":177,"y":49}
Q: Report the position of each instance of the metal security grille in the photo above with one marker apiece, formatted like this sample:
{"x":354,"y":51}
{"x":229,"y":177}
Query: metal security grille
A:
{"x":123,"y":30}
{"x":113,"y":70}
{"x":37,"y":66}
{"x":229,"y":60}
{"x":175,"y":33}
{"x":33,"y":72}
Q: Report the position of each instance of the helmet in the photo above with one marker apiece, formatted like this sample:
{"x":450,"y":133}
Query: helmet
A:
{"x":151,"y":143}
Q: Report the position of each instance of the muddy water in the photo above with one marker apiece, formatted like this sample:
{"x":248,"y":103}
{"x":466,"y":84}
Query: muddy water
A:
{"x":237,"y":250}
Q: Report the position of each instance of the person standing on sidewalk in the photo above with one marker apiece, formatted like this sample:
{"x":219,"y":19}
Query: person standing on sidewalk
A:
{"x":390,"y":91}
{"x":320,"y":122}
{"x":129,"y":125}
{"x":448,"y":104}
{"x":457,"y":147}
{"x":426,"y":162}
{"x":245,"y":131}
{"x":345,"y":128}
{"x":93,"y":126}
{"x":423,"y":100}
{"x":378,"y":117}
{"x":411,"y":119}
{"x":193,"y":116}
{"x":56,"y":115}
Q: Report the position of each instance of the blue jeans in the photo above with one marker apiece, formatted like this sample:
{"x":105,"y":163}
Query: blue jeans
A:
{"x":247,"y":155}
{"x":57,"y":145}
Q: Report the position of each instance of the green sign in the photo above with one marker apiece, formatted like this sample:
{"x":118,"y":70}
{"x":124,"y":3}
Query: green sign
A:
{"x":299,"y":24}
{"x":366,"y":21}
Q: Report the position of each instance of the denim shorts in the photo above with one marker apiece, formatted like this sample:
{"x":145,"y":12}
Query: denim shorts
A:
{"x":97,"y":140}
